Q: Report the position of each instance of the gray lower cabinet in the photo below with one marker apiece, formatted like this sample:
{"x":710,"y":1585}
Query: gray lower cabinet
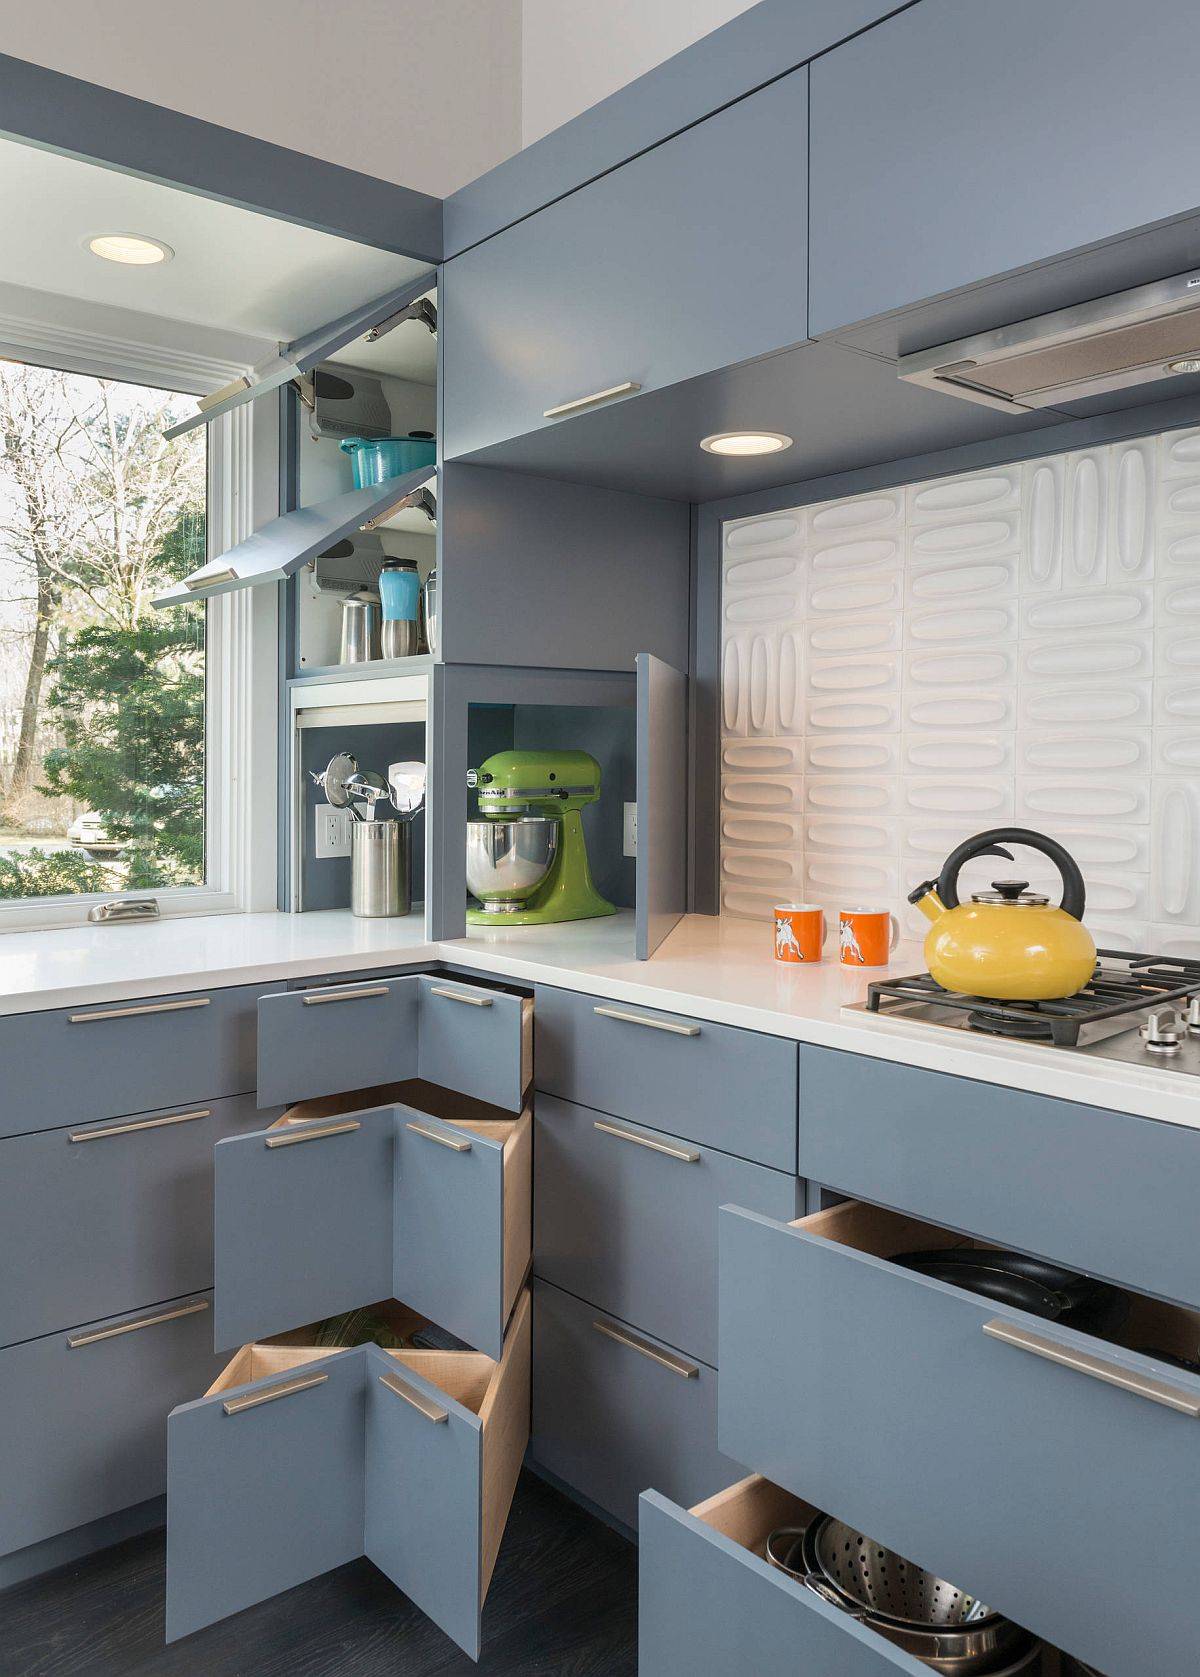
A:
{"x":709,"y":1604}
{"x":98,"y":1217}
{"x":1036,"y":166}
{"x":75,"y":1065}
{"x":616,"y":1413}
{"x":714,"y":1084}
{"x":1023,"y":1170}
{"x":298,"y":1460}
{"x":1035,"y":1466}
{"x":85,"y":1416}
{"x":476,"y":1039}
{"x":626,"y":1217}
{"x":635,"y":281}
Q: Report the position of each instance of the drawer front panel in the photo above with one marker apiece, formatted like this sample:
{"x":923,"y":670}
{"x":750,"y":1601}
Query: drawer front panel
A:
{"x":722,"y":1087}
{"x":472,"y":1039}
{"x":1018,"y":1169}
{"x":96,"y":1217}
{"x":877,"y":1394}
{"x":611,"y":1421}
{"x":265,"y":1497}
{"x":85,"y":1425}
{"x":626,"y":1217}
{"x":85,"y":1063}
{"x":331,"y":1039}
{"x":707,"y":1607}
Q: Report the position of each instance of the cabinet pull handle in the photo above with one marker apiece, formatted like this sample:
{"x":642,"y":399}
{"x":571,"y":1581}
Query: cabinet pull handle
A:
{"x":318,"y":998}
{"x":685,"y":1155}
{"x":455,"y":1144}
{"x":675,"y":1027}
{"x":136,"y":1012}
{"x":251,"y":1400}
{"x":426,"y":1406}
{"x":140,"y":1124}
{"x":628,"y":388}
{"x":461,"y":996}
{"x":635,"y":1342}
{"x":76,"y":1341}
{"x":289,"y":1138}
{"x":1082,"y":1362}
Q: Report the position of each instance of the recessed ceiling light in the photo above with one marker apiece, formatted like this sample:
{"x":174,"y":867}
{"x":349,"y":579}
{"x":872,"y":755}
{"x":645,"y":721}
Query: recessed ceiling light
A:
{"x":746,"y":442}
{"x":1187,"y":364}
{"x":131,"y":248}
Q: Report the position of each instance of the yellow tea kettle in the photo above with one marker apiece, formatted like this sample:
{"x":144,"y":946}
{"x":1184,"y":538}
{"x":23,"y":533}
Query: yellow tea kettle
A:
{"x":1007,"y":943}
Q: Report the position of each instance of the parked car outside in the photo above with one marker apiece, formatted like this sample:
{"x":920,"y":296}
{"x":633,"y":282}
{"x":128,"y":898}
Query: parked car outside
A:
{"x":88,"y":833}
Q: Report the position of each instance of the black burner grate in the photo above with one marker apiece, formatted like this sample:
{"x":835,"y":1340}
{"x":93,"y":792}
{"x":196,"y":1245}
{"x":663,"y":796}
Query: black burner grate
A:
{"x":1121,"y":984}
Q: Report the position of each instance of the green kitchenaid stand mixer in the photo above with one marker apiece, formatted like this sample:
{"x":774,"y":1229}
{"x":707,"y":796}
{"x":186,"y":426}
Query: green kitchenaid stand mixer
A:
{"x":526,"y":858}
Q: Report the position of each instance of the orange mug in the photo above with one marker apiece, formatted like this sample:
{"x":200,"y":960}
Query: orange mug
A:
{"x":867,"y":936}
{"x":799,"y":931}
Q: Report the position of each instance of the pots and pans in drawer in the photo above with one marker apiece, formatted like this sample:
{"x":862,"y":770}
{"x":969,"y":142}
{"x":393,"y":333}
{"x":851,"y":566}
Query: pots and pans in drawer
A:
{"x":1029,"y":1284}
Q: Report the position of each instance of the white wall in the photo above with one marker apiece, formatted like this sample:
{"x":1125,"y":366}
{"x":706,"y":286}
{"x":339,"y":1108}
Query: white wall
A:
{"x":426,"y":95}
{"x":577,"y":52}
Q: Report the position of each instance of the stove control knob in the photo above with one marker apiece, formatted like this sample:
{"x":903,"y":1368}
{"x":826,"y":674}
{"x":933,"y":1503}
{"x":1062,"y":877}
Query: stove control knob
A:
{"x":1160,"y":1033}
{"x":1193,"y":1016}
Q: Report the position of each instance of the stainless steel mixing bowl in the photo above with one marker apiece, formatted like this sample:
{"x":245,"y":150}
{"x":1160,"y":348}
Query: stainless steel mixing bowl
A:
{"x":508,"y":860}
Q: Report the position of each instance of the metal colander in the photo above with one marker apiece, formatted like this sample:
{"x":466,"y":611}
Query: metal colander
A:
{"x":883,"y":1582}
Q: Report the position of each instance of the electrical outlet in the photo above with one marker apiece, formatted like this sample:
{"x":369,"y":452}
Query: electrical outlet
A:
{"x":630,"y":845}
{"x":333,"y":832}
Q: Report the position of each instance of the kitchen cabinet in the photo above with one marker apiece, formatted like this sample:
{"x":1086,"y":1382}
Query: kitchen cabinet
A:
{"x":690,"y":257}
{"x":960,"y":139}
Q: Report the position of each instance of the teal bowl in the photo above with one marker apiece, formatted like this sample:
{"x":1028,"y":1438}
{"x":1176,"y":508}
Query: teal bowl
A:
{"x":375,"y":459}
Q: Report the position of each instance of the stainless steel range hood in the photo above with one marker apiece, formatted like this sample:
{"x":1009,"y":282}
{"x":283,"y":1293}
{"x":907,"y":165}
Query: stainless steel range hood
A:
{"x":1137,"y":337}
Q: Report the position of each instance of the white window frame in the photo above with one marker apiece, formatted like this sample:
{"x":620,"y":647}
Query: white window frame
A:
{"x":241,"y":636}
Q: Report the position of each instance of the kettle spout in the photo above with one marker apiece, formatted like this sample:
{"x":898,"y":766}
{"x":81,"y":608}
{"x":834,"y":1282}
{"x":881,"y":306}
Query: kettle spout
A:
{"x":925,"y":898}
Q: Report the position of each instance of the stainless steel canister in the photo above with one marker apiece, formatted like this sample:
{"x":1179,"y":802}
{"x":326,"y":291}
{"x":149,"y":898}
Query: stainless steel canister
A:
{"x":360,"y":629}
{"x":429,"y":611}
{"x":380,"y":868}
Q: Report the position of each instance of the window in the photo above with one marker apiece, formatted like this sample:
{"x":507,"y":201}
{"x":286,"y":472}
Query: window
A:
{"x":123,"y":745}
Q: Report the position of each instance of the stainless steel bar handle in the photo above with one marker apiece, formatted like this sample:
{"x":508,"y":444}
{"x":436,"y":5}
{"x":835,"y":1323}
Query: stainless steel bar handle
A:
{"x":318,"y":998}
{"x":77,"y":1341}
{"x":685,"y":1155}
{"x":234,"y":1406}
{"x":318,"y":1132}
{"x":426,"y":1406}
{"x":455,"y":1143}
{"x":1097,"y":1368}
{"x":635,"y":1342}
{"x":461,"y":996}
{"x":140,"y":1124}
{"x":626,"y":388}
{"x":675,"y":1027}
{"x":137,"y":1012}
{"x":208,"y":579}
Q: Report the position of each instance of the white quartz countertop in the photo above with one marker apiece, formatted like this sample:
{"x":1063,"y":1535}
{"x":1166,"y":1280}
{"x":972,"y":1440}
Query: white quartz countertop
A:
{"x":716,"y":969}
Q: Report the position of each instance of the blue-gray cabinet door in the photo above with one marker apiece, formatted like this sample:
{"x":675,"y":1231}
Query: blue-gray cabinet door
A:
{"x":1034,"y":1466}
{"x":660,"y":867}
{"x":961,"y":139}
{"x":688,"y":258}
{"x":84,"y":1415}
{"x":302,"y":1225}
{"x":710,"y":1605}
{"x":264,"y":1489}
{"x":476,"y":1040}
{"x":627,"y":1217}
{"x":334,"y":1038}
{"x":96,"y":1218}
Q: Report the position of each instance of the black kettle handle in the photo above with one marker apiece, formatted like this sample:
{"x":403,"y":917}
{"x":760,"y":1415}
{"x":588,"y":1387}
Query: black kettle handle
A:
{"x":987,"y":844}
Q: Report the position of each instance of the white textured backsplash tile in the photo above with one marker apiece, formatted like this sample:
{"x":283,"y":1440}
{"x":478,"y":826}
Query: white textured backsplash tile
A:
{"x":1019,"y":645}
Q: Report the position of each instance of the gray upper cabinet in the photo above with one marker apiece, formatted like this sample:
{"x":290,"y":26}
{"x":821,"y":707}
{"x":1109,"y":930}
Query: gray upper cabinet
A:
{"x":962,"y":139}
{"x":688,"y":258}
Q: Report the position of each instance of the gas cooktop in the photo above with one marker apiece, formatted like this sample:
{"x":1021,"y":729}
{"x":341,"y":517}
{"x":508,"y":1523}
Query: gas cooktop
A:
{"x":1142,"y":1009}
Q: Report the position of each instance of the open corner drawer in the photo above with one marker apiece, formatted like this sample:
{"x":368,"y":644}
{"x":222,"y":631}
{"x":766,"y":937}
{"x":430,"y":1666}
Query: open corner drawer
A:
{"x":464,"y":1035}
{"x":407,"y":1192}
{"x":298,"y":1460}
{"x":1049,"y":1472}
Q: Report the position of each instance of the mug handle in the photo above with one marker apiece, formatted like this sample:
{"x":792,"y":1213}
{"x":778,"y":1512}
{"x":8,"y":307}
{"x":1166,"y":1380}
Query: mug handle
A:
{"x":895,"y":924}
{"x":824,"y":929}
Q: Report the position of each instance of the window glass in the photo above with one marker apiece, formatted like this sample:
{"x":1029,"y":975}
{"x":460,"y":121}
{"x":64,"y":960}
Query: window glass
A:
{"x":102,"y":735}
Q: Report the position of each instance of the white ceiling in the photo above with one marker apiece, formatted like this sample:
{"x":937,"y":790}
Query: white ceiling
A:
{"x":233,"y":269}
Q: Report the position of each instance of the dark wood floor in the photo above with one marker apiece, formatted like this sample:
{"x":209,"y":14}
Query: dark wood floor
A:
{"x":562,"y":1604}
